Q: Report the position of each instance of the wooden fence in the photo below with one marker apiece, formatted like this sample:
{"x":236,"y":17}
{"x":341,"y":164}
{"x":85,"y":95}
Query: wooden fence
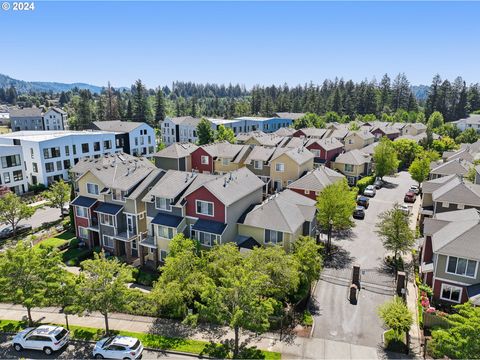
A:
{"x":432,"y":320}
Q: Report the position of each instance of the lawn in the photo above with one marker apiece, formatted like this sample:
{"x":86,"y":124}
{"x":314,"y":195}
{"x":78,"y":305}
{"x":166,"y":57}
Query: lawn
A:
{"x":4,"y":129}
{"x":59,"y":240}
{"x":148,"y":340}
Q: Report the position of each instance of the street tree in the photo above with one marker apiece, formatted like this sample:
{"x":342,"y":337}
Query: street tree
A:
{"x":394,"y":230}
{"x":396,"y":316}
{"x":65,"y":294}
{"x":420,"y":169}
{"x":205,"y":132}
{"x":225,"y":134}
{"x":28,"y":275}
{"x":13,"y":210}
{"x":385,"y":158}
{"x":58,"y":195}
{"x":335,"y":205}
{"x":444,"y":144}
{"x":102,"y":285}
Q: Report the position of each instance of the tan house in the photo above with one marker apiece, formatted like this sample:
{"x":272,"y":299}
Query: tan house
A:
{"x":414,"y":129}
{"x":358,"y":139}
{"x":354,"y":164}
{"x":279,"y":220}
{"x":287,"y":165}
{"x":230,"y":157}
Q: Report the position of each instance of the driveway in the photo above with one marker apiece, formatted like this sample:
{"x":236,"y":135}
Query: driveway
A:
{"x":335,"y":318}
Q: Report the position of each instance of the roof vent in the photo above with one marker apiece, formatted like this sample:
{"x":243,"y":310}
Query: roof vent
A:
{"x":225,"y":182}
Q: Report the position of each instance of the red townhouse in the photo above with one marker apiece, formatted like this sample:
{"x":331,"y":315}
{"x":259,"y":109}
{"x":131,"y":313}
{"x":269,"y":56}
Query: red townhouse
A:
{"x":203,"y":158}
{"x":324,"y":150}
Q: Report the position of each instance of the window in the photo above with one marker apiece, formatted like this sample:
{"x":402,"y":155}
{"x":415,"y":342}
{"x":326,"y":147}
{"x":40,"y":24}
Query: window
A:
{"x":258,"y":164}
{"x":67,"y":150}
{"x":106,"y":219}
{"x":74,"y":147}
{"x":81,"y":211}
{"x":451,"y":293}
{"x":462,"y":267}
{"x":445,"y":204}
{"x":460,"y":206}
{"x":59,"y":165}
{"x":225,"y":161}
{"x":149,"y":139}
{"x":273,"y":237}
{"x":165,"y":232}
{"x":316,"y":152}
{"x":136,"y":141}
{"x":96,"y":146}
{"x":108,"y":241}
{"x":163,"y":204}
{"x":204,"y":208}
{"x":118,"y":195}
{"x":31,"y":153}
{"x":49,"y":167}
{"x":348,"y":167}
{"x":46,"y":154}
{"x":92,"y":189}
{"x":134,"y":245}
{"x":206,"y":239}
{"x":350,"y":141}
{"x":279,"y":167}
{"x":82,"y":232}
{"x":17,"y":175}
{"x":6,"y":177}
{"x":163,"y":255}
{"x":55,"y":152}
{"x":307,"y":192}
{"x":66,"y":164}
{"x":35,"y":167}
{"x":85,"y":148}
{"x":107,"y":144}
{"x":204,"y":160}
{"x":10,"y":161}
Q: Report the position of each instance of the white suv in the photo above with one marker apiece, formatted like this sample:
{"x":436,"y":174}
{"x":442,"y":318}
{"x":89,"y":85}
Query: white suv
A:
{"x":45,"y":338}
{"x":118,"y":347}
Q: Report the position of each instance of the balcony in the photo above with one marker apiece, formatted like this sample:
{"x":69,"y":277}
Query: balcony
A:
{"x":148,"y":241}
{"x":93,"y":225}
{"x":123,"y":235}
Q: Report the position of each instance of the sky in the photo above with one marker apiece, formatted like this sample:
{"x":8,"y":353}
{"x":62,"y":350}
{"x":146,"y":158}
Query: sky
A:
{"x":239,"y":42}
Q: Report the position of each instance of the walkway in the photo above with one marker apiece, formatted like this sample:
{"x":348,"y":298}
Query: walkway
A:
{"x":291,"y":348}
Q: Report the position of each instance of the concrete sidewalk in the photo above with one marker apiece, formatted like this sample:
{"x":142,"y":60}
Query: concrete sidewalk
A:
{"x":290,"y":347}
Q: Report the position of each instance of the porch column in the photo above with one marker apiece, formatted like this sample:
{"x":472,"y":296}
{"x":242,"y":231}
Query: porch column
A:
{"x":128,"y":251}
{"x":155,"y":258}
{"x":116,"y":250}
{"x":140,"y":255}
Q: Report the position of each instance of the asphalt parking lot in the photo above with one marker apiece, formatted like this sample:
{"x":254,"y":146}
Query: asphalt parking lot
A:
{"x":72,"y":351}
{"x":335,"y":317}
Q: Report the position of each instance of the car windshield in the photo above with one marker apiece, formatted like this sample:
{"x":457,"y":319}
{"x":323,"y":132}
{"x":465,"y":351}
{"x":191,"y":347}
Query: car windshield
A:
{"x":28,"y":333}
{"x":108,"y":341}
{"x":61,"y":334}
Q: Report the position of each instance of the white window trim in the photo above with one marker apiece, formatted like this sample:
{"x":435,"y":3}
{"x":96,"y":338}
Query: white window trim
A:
{"x":208,"y":202}
{"x":452,"y":286}
{"x":76,"y":213}
{"x":167,"y":201}
{"x":260,"y":162}
{"x":106,"y":224}
{"x":111,"y":238}
{"x":98,"y":188}
{"x":84,"y":228}
{"x":174,"y":231}
{"x":283,"y":167}
{"x":202,"y":157}
{"x":307,"y":192}
{"x":456,"y":266}
{"x":445,"y":204}
{"x":218,"y":237}
{"x":460,"y":206}
{"x":119,"y":200}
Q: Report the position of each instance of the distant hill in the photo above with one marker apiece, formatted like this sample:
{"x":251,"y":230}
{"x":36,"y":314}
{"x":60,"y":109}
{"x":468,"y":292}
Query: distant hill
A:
{"x":25,"y":86}
{"x":420,"y":91}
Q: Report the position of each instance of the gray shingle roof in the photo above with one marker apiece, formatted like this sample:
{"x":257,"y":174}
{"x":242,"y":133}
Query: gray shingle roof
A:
{"x":285,"y":131}
{"x":260,"y":153}
{"x":328,"y":144}
{"x":177,"y":150}
{"x":58,"y":110}
{"x":26,"y":112}
{"x":455,"y":166}
{"x":354,"y":157}
{"x":457,"y":191}
{"x":473,"y":119}
{"x":185,"y":120}
{"x":317,"y":179}
{"x":431,"y":185}
{"x":299,"y":155}
{"x":363,"y":134}
{"x":314,"y":132}
{"x":285,"y":211}
{"x":223,"y":149}
{"x":117,"y":125}
{"x":296,"y":142}
{"x":289,"y":115}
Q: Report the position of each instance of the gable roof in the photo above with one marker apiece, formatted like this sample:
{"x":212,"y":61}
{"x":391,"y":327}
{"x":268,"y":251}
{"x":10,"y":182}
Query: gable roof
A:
{"x":369,"y":149}
{"x":57,"y":110}
{"x":284,"y":131}
{"x":354,"y":157}
{"x":457,"y":191}
{"x":298,"y":155}
{"x":285,"y":211}
{"x":289,"y":115}
{"x":327,"y":144}
{"x":363,"y":134}
{"x":472,"y":119}
{"x":26,"y":112}
{"x":184,"y":120}
{"x":260,"y":153}
{"x":339,"y":134}
{"x":313,"y":132}
{"x":417,"y":125}
{"x":223,"y":149}
{"x":455,"y":166}
{"x":317,"y":179}
{"x":177,"y":150}
{"x":296,"y":142}
{"x":117,"y":125}
{"x":431,"y":185}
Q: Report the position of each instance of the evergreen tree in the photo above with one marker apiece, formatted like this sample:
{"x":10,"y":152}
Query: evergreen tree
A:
{"x":160,"y":111}
{"x":385,"y":91}
{"x":139,"y":102}
{"x":84,"y":114}
{"x":461,"y":110}
{"x":193,"y":111}
{"x":205,"y":132}
{"x":432,"y":100}
{"x":129,"y":113}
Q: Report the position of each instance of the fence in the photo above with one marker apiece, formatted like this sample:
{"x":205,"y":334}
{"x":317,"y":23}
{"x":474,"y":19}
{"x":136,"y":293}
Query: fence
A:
{"x":431,"y":320}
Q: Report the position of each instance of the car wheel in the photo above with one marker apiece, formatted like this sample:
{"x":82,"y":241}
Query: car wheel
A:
{"x":47,"y":351}
{"x":98,"y":356}
{"x":17,"y":347}
{"x":126,"y":358}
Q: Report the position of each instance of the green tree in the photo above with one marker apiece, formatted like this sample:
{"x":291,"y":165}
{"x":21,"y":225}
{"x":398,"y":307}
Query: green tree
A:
{"x":449,"y":130}
{"x":335,"y":205}
{"x":225,"y":134}
{"x":444,"y":144}
{"x":307,"y":252}
{"x":205,"y":132}
{"x":396,"y":316}
{"x":331,"y":116}
{"x":309,"y":120}
{"x":58,"y":195}
{"x":103,"y":285}
{"x":160,"y":110}
{"x":435,"y":120}
{"x":394,"y":230}
{"x":385,"y":158}
{"x":84,"y":112}
{"x":65,"y":294}
{"x":420,"y":169}
{"x":460,"y":340}
{"x":13,"y":210}
{"x":140,"y":105}
{"x":469,"y":136}
{"x":407,"y":150}
{"x":28,"y":275}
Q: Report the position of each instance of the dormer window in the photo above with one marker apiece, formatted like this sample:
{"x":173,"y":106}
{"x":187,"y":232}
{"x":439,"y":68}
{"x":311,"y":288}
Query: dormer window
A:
{"x":225,"y":161}
{"x":163,"y":204}
{"x":118,"y":195}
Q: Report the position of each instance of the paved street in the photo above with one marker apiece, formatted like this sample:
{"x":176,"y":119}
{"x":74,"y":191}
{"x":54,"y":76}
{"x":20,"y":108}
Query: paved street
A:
{"x":46,"y":214}
{"x":335,"y":318}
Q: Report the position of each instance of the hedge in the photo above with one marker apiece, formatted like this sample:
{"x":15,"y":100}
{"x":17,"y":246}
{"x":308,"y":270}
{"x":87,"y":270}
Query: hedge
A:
{"x":364,"y":182}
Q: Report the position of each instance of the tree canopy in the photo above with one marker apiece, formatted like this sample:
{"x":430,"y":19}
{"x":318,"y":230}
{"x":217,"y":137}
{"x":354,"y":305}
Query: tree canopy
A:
{"x":385,"y":158}
{"x":58,"y":195}
{"x":205,"y":132}
{"x":13,"y":210}
{"x":225,"y":134}
{"x":396,"y":316}
{"x":420,"y":169}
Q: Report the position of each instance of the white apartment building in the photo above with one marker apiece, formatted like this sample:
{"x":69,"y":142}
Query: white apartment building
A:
{"x":38,"y":119}
{"x":55,"y":119}
{"x":179,"y":129}
{"x":13,"y":169}
{"x":471,"y":122}
{"x":48,"y":155}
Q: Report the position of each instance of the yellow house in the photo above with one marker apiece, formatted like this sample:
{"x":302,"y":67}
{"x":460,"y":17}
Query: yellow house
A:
{"x":230,"y":157}
{"x":287,"y":165}
{"x":358,"y":139}
{"x":414,"y":129}
{"x":354,"y":164}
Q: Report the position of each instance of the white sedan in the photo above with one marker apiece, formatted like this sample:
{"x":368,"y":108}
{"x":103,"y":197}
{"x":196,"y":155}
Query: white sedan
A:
{"x":118,"y":347}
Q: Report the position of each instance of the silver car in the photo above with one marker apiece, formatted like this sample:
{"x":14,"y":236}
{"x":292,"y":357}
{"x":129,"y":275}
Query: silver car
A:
{"x":370,"y":191}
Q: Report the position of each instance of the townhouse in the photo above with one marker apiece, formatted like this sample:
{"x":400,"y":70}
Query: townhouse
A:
{"x":414,"y":129}
{"x":287,"y":165}
{"x":13,"y":169}
{"x":175,"y":157}
{"x":324,"y":150}
{"x":389,"y":131}
{"x":279,"y":220}
{"x":38,"y":119}
{"x":358,"y":139}
{"x":261,"y":139}
{"x":108,"y":207}
{"x":311,"y":133}
{"x":450,"y":256}
{"x":55,"y":119}
{"x":134,"y":138}
{"x":48,"y":155}
{"x":452,"y":167}
{"x":179,"y":129}
{"x":258,"y":162}
{"x":354,"y":164}
{"x":285,"y":131}
{"x":470,"y":122}
{"x":219,"y":157}
{"x":313,"y":182}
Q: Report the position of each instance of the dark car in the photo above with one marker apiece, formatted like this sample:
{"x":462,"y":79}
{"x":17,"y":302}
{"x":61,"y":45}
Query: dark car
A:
{"x":378,"y":183}
{"x":363,"y":201}
{"x":410,"y":197}
{"x":7,"y":232}
{"x":359,"y":213}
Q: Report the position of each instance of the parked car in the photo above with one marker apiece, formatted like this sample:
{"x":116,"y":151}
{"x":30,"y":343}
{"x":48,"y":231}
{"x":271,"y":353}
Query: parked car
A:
{"x":415,"y":189}
{"x":118,"y":347}
{"x":359,"y":213}
{"x":65,"y":211}
{"x":378,"y":183}
{"x":405,"y":209}
{"x":46,"y":338}
{"x":7,"y":232}
{"x":363,"y":201}
{"x":410,"y":197}
{"x":370,"y":191}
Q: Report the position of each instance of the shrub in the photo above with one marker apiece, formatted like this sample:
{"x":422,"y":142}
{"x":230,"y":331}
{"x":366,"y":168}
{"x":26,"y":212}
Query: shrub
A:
{"x":364,"y":182}
{"x":146,"y":278}
{"x":425,"y":288}
{"x":307,"y":319}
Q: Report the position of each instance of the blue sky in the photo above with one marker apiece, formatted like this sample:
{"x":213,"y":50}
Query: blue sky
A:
{"x":245,"y":42}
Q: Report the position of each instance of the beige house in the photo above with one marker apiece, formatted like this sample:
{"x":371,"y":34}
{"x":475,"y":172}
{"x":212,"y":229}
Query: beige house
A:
{"x":287,"y":165}
{"x":414,"y":129}
{"x":358,"y":139}
{"x":230,"y":157}
{"x":354,"y":164}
